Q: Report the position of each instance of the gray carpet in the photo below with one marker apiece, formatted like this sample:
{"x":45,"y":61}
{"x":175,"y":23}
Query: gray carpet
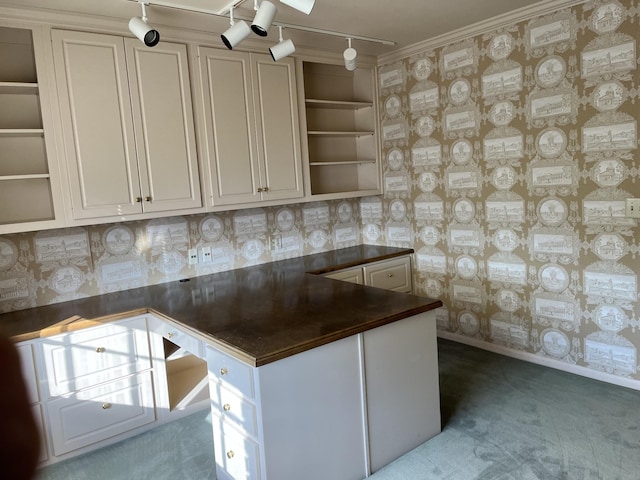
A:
{"x":503,"y":419}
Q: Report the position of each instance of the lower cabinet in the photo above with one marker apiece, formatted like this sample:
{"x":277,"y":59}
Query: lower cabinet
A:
{"x":392,"y":274}
{"x":339,"y":411}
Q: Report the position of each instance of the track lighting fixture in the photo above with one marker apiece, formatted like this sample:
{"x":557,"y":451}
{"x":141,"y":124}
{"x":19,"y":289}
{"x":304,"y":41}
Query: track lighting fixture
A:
{"x":350,"y":57}
{"x":237,"y":32}
{"x":304,"y":6}
{"x":282,"y":48}
{"x":264,"y":16}
{"x":141,"y":29}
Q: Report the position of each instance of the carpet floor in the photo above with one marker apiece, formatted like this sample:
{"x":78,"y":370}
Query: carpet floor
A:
{"x":503,"y":419}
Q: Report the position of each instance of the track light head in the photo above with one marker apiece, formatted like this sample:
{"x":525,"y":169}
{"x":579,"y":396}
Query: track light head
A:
{"x":264,"y":16}
{"x":237,"y":32}
{"x":283,"y":48}
{"x":304,"y":6}
{"x":141,"y":29}
{"x":350,"y":56}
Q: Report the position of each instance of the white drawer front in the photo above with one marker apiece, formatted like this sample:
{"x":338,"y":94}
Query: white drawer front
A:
{"x":101,"y":412}
{"x":234,"y":374}
{"x":234,"y":408}
{"x":29,"y":371}
{"x":236,"y":455}
{"x":391,"y":275}
{"x":183,"y":339}
{"x":95,"y":355}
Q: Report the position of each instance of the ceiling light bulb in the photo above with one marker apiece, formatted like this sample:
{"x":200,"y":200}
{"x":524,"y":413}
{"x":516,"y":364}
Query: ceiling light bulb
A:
{"x":263,"y":19}
{"x":304,"y":6}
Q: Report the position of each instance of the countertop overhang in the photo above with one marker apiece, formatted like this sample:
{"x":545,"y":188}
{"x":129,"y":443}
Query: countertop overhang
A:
{"x":259,"y":314}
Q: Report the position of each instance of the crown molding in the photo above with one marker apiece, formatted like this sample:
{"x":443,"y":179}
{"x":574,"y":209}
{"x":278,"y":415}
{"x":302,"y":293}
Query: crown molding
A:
{"x":525,"y":13}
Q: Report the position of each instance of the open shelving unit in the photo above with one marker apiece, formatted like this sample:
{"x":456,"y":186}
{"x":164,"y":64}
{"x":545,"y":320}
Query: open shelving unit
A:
{"x":341,"y":131}
{"x":25,"y":179}
{"x":187,"y":377}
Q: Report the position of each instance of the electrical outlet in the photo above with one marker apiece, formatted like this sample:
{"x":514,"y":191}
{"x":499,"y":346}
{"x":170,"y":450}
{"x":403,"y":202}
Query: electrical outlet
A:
{"x":192,"y":254}
{"x":633,"y":208}
{"x":205,"y":255}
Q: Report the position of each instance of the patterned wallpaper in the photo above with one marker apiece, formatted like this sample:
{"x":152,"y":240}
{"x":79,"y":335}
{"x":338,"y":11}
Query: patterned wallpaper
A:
{"x":507,"y":161}
{"x":40,"y":268}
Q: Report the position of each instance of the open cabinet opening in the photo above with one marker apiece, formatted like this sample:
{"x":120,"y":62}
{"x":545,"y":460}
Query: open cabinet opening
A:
{"x":187,"y":377}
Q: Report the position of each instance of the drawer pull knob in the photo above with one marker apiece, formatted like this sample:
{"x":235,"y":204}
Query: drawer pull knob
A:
{"x":100,"y":350}
{"x":169,"y":335}
{"x":138,"y":199}
{"x":226,"y":407}
{"x":389,"y":275}
{"x":230,"y":454}
{"x":106,"y":406}
{"x":224,"y":371}
{"x":147,"y":199}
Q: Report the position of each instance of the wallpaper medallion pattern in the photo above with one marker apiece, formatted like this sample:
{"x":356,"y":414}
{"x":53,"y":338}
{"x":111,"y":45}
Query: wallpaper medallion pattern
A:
{"x":507,"y":161}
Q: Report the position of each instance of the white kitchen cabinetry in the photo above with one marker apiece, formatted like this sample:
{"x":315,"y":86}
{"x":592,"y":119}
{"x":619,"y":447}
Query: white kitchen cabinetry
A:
{"x":27,"y":362}
{"x":181,"y":371}
{"x":341,"y":146}
{"x":98,"y":383}
{"x":127,"y":125}
{"x":30,"y":194}
{"x":392,"y":274}
{"x":330,"y":412}
{"x":252,"y":142}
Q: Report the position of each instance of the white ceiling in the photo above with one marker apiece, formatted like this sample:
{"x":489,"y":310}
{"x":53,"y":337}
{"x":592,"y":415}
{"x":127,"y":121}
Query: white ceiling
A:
{"x":405,"y":22}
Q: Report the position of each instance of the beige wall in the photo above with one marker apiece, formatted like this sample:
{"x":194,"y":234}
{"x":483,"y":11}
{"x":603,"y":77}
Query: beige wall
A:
{"x":53,"y":266}
{"x":507,"y":161}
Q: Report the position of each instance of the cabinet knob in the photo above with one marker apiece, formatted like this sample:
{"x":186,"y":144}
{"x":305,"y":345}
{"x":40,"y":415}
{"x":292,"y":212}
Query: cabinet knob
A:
{"x":100,"y":350}
{"x":147,"y":199}
{"x":224,"y":371}
{"x":106,"y":406}
{"x":389,"y":275}
{"x":138,"y":199}
{"x":226,"y":407}
{"x":169,"y":335}
{"x":230,"y":454}
{"x":260,"y":189}
{"x":265,"y":189}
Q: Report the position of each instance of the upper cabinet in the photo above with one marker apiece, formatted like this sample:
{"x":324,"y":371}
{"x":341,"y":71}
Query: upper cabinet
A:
{"x":127,"y":125}
{"x":252,"y":142}
{"x":30,"y":196}
{"x":341,"y":136}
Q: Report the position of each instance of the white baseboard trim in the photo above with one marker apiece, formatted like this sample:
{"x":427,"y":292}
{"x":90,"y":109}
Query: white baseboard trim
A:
{"x":544,"y":361}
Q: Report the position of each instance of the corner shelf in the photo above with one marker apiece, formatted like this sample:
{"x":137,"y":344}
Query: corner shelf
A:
{"x":26,"y":193}
{"x":341,"y":136}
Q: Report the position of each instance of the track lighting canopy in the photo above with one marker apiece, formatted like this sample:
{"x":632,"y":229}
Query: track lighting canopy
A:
{"x":304,"y":6}
{"x":141,"y":29}
{"x":264,"y":17}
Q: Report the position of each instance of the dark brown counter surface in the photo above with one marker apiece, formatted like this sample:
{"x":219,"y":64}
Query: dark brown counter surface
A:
{"x":260,"y":314}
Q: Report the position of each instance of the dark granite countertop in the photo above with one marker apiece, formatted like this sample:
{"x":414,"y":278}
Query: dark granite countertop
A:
{"x":260,"y":314}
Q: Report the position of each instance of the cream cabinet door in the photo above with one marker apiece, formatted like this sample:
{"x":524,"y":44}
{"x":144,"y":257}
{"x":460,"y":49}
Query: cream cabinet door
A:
{"x":277,"y":127}
{"x":127,"y":125}
{"x":164,"y":126}
{"x":97,"y":124}
{"x":231,"y":145}
{"x":251,"y":117}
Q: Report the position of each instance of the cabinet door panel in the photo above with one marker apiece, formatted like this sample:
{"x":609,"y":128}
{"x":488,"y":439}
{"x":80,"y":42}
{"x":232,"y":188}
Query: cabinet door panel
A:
{"x":278,"y":128}
{"x":163,"y":118}
{"x":97,"y":128}
{"x":231,"y":142}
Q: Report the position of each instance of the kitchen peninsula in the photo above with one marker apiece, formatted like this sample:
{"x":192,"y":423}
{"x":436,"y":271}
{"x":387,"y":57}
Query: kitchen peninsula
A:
{"x":306,"y":374}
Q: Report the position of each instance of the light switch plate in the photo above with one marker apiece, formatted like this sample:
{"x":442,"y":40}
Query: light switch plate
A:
{"x":192,"y":254}
{"x":633,"y":208}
